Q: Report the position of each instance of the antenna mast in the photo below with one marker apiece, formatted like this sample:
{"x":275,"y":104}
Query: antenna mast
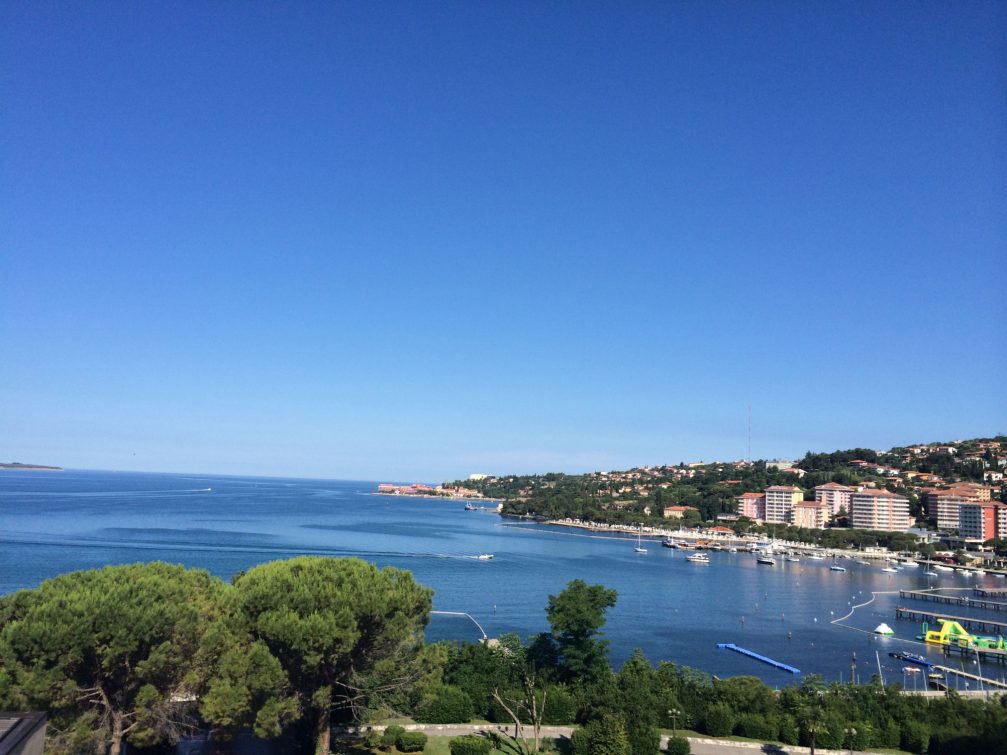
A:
{"x":749,"y":457}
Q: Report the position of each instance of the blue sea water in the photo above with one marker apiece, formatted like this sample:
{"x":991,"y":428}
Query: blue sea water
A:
{"x":55,"y":522}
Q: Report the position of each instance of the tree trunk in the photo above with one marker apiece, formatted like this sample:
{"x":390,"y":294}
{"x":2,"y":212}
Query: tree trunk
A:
{"x":116,"y":746}
{"x":322,"y":744}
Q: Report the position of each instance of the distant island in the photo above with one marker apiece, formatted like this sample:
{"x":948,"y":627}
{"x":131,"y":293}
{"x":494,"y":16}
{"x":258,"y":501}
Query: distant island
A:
{"x":19,"y":465}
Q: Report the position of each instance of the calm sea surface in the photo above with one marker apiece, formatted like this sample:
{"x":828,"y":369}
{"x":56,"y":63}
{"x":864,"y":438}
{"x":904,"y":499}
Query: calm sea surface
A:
{"x":55,"y":522}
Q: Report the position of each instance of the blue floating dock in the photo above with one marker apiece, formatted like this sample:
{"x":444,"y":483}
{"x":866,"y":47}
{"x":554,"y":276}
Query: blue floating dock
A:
{"x":756,"y":656}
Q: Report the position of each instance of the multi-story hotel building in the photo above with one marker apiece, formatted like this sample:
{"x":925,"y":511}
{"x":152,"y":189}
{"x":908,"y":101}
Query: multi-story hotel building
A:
{"x":811,"y":514}
{"x":780,"y":501}
{"x":752,"y":505}
{"x":982,"y":520}
{"x":872,"y":509}
{"x":943,"y":505}
{"x":835,"y":496}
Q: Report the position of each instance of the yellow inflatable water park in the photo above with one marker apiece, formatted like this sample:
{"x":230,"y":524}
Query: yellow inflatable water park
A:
{"x":953,"y":633}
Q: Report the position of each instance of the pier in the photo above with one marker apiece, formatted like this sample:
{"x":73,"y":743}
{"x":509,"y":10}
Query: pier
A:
{"x":986,"y":655}
{"x":961,"y":600}
{"x":756,"y":656}
{"x":969,"y":622}
{"x":966,"y":675}
{"x":990,"y":592}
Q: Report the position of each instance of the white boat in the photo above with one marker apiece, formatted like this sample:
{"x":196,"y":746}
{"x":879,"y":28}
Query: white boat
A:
{"x":998,"y":575}
{"x":837,"y":568}
{"x":484,"y":556}
{"x":698,"y":558}
{"x":890,"y":570}
{"x":765,"y":560}
{"x":862,"y":562}
{"x":943,"y":568}
{"x":639,"y":546}
{"x":816,"y":557}
{"x":929,"y":574}
{"x":979,"y":572}
{"x":792,"y":559}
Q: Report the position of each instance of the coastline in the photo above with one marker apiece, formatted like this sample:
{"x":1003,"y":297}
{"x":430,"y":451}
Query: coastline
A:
{"x":469,"y":499}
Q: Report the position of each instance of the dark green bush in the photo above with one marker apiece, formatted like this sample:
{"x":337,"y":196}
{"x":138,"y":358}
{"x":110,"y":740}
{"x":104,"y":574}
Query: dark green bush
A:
{"x":390,"y":736}
{"x":412,"y":741}
{"x":560,"y":707}
{"x":789,"y":733}
{"x":445,"y":704}
{"x":756,"y":727}
{"x":719,"y":720}
{"x":580,"y":742}
{"x":678,"y":746}
{"x":470,"y":745}
{"x":915,"y":736}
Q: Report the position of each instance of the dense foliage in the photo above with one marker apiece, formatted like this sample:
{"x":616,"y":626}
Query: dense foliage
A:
{"x":131,"y":652}
{"x":140,"y":651}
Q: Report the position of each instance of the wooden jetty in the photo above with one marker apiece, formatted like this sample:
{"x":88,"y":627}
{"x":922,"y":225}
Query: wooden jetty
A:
{"x":990,"y":592}
{"x":966,"y":675}
{"x":969,"y":622}
{"x":960,"y":600}
{"x":986,"y":655}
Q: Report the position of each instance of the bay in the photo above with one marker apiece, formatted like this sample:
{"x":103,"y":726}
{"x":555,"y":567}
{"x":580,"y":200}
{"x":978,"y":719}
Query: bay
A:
{"x":55,"y":522}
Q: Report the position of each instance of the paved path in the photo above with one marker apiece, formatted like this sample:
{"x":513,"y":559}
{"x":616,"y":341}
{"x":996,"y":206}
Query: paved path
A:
{"x":700,"y":745}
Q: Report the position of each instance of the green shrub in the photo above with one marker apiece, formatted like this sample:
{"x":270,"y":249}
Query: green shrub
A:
{"x":470,"y":745}
{"x":789,"y":733}
{"x":915,"y":737}
{"x":580,"y":742}
{"x":756,"y":727}
{"x":643,"y":740}
{"x":390,"y":736}
{"x":445,"y":704}
{"x":678,"y":746}
{"x":719,"y":720}
{"x":412,"y":741}
{"x":560,"y":707}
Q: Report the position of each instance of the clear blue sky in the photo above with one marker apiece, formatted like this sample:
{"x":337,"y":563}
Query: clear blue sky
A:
{"x":417,"y":240}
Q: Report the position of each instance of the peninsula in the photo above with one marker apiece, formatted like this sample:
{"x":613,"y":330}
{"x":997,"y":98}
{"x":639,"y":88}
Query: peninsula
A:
{"x":19,"y":465}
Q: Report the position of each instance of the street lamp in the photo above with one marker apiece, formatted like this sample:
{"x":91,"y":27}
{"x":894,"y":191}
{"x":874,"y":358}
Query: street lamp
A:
{"x":851,"y":733}
{"x":674,"y":713}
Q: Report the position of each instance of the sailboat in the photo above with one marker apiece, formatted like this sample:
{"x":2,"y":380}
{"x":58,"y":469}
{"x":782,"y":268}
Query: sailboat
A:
{"x":639,"y":546}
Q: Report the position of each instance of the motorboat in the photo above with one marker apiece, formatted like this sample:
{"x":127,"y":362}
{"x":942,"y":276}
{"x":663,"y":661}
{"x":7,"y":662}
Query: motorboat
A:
{"x":891,"y":570}
{"x":669,"y":543}
{"x":698,"y":558}
{"x":836,"y":567}
{"x":767,"y":560}
{"x":929,"y":574}
{"x":484,"y":556}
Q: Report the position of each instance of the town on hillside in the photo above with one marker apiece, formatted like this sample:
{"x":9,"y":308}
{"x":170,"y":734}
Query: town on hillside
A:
{"x":917,"y":496}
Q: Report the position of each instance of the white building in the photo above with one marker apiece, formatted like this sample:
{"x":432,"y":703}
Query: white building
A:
{"x":780,"y":502}
{"x":879,"y":510}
